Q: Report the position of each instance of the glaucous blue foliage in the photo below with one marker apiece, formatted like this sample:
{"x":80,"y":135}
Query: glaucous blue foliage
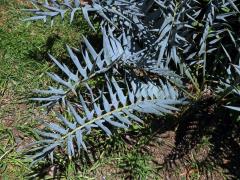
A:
{"x":150,"y":49}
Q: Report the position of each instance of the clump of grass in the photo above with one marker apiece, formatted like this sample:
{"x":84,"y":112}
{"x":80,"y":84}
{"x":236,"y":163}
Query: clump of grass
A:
{"x":135,"y":165}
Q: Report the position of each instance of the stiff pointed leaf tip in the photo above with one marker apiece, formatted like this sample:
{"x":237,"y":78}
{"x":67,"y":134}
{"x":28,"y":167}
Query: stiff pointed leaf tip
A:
{"x":35,"y":18}
{"x":80,"y":142}
{"x":233,"y":108}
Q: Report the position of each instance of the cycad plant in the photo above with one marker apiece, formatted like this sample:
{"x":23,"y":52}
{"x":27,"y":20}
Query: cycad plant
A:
{"x":151,"y":51}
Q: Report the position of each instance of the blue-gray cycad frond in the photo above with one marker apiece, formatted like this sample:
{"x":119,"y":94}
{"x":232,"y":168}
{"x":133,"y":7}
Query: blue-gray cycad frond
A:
{"x":148,"y":45}
{"x":117,"y":104}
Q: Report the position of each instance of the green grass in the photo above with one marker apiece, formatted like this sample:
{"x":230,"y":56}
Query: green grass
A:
{"x":23,"y":64}
{"x":136,"y":165}
{"x":24,"y":46}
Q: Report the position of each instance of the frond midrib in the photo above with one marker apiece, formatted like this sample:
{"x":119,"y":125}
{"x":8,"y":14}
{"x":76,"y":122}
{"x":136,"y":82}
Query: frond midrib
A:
{"x":105,"y":115}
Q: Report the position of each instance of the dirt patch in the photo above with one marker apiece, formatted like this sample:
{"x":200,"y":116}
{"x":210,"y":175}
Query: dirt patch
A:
{"x":205,"y":145}
{"x":13,"y":115}
{"x":5,"y":8}
{"x":3,"y":17}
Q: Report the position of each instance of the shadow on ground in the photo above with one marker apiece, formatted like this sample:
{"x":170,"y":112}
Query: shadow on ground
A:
{"x":42,"y":53}
{"x":221,"y":152}
{"x":204,"y":141}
